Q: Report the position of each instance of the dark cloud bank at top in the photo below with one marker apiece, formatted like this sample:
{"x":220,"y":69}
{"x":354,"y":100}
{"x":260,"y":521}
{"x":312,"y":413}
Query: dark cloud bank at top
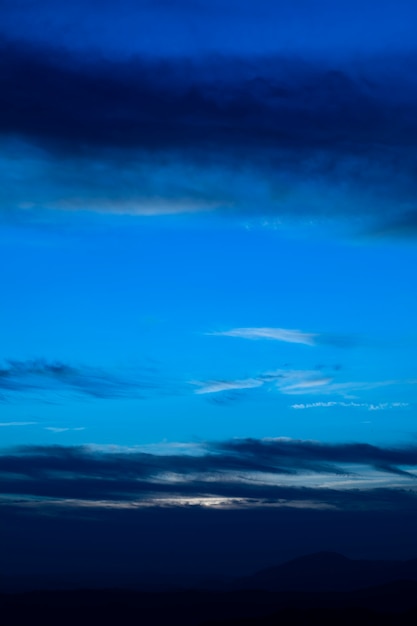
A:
{"x":346,"y":133}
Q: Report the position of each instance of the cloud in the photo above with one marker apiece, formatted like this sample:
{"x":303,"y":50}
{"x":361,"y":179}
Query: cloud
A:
{"x":275,"y":469}
{"x":235,"y":102}
{"x":301,"y":139}
{"x":289,"y":336}
{"x":8,"y":424}
{"x":379,"y":406}
{"x":301,"y":382}
{"x":227,"y":385}
{"x":58,"y":429}
{"x":278,"y":334}
{"x":39,"y":377}
{"x":305,"y":386}
{"x":304,"y":383}
{"x":347,"y":452}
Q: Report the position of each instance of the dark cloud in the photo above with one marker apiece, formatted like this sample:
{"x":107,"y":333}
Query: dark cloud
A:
{"x":237,"y":469}
{"x":216,"y":103}
{"x":294,"y":451}
{"x":350,"y":130}
{"x":39,"y":377}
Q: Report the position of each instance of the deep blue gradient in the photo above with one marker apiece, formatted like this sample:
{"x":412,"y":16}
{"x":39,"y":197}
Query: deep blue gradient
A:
{"x":236,"y":27}
{"x":208,"y":230}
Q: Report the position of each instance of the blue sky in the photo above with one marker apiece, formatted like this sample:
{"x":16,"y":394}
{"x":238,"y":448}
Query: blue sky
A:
{"x":158,"y":306}
{"x":208,"y":237}
{"x":198,"y":26}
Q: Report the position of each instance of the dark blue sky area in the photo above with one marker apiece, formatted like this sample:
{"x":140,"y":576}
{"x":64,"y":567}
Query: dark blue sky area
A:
{"x":235,"y":27}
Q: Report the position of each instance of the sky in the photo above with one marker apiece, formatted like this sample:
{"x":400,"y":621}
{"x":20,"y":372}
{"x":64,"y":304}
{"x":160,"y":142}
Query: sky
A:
{"x":208,"y":231}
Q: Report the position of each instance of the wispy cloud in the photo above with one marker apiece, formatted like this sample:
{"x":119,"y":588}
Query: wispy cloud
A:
{"x":312,"y":382}
{"x":347,"y":389}
{"x":278,"y":334}
{"x":289,"y":336}
{"x":40,"y":377}
{"x":217,"y":386}
{"x":304,"y":383}
{"x":7,"y":424}
{"x":379,"y":406}
{"x":63,"y":429}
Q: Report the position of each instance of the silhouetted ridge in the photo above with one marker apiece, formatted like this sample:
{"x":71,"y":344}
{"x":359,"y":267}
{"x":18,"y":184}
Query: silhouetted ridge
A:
{"x":328,"y":571}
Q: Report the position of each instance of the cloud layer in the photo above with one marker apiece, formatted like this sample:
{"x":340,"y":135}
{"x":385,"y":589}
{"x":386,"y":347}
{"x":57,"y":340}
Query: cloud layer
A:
{"x":265,"y":471}
{"x":290,"y":138}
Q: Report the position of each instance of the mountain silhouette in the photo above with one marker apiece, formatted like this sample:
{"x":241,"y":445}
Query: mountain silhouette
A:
{"x":320,"y":589}
{"x":328,"y":571}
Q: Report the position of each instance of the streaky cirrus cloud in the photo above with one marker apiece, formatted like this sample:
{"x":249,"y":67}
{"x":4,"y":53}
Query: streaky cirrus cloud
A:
{"x":298,"y":138}
{"x":63,"y":429}
{"x":12,"y":424}
{"x":217,"y":386}
{"x":378,"y":406}
{"x":304,"y":382}
{"x":278,"y":334}
{"x":300,"y":382}
{"x":290,"y":336}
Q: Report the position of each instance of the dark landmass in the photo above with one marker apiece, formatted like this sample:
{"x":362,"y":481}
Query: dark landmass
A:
{"x":316,"y":589}
{"x":328,"y":571}
{"x":390,"y":604}
{"x":325,"y":617}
